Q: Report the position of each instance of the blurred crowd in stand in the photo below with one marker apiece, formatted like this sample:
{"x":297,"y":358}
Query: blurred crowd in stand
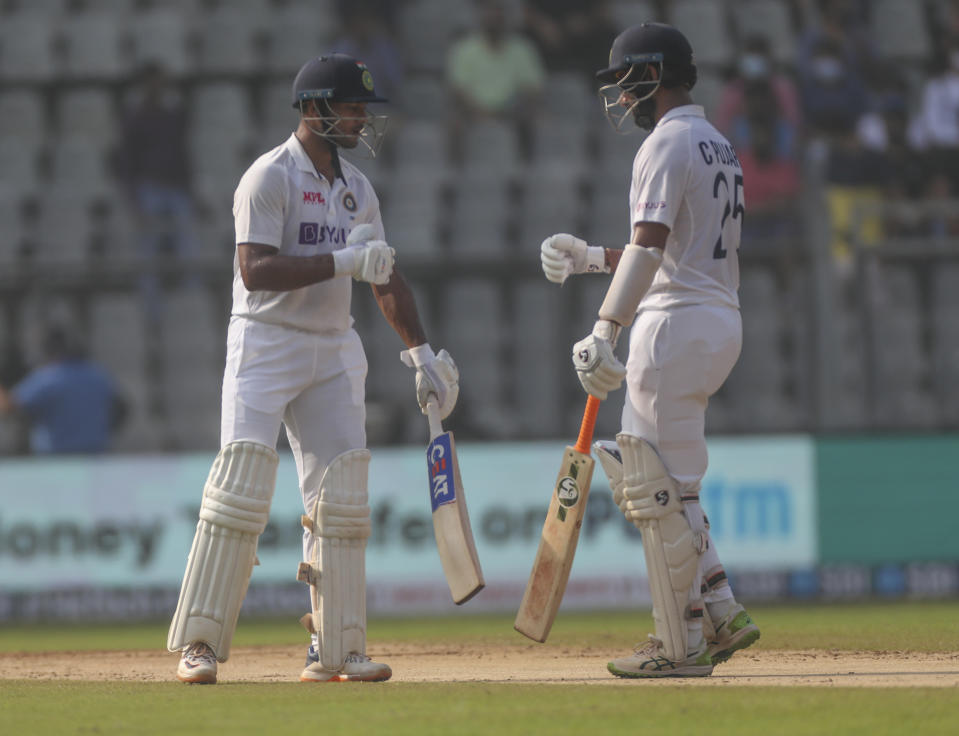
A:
{"x":861,"y":97}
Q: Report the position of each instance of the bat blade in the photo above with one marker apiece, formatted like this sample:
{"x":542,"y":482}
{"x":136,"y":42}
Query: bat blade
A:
{"x":451,"y":522}
{"x":557,"y":545}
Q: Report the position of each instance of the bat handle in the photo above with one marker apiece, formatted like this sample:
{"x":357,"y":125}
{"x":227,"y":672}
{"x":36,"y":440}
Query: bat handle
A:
{"x":585,"y":438}
{"x":433,"y":415}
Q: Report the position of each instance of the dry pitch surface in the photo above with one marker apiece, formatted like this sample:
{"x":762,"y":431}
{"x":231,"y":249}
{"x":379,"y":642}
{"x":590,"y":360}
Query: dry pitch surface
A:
{"x":509,"y":664}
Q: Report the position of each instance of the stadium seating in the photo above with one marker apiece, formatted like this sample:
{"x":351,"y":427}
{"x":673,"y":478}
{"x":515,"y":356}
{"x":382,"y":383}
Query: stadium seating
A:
{"x":65,"y":66}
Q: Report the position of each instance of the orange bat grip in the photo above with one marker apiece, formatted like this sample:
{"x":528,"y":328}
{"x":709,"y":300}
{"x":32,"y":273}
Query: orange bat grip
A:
{"x":585,"y":438}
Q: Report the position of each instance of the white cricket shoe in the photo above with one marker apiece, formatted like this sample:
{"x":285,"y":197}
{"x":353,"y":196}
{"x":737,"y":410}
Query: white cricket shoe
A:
{"x":651,"y":661}
{"x":736,"y":631}
{"x":356,"y":668}
{"x":197,"y":665}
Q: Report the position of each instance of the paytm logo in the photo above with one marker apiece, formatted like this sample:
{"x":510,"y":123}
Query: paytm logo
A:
{"x":750,"y":510}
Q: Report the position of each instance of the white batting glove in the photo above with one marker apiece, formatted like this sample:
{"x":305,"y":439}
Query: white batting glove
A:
{"x":563,"y":254}
{"x":435,"y":374}
{"x":371,"y":261}
{"x":596,"y":366}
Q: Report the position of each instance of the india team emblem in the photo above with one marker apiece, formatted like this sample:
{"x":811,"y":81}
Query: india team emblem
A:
{"x":367,"y":80}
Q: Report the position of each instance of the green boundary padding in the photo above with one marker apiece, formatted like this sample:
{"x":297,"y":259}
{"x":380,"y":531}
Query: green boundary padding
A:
{"x":888,"y":498}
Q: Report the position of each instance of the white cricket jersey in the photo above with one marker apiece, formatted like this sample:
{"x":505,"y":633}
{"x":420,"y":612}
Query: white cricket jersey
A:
{"x":686,"y":176}
{"x":282,"y":201}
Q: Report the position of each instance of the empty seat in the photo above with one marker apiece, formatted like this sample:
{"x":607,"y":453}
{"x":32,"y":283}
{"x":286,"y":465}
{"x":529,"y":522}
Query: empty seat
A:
{"x":770,"y":19}
{"x":419,"y":144}
{"x":79,"y":164}
{"x":214,"y":102}
{"x":87,"y":112}
{"x":26,"y":48}
{"x":161,"y":34}
{"x":23,"y":116}
{"x":298,"y":31}
{"x":19,"y":164}
{"x":898,"y":29}
{"x":227,"y":41}
{"x":491,"y":145}
{"x":93,"y":46}
{"x":540,"y":352}
{"x":703,"y":22}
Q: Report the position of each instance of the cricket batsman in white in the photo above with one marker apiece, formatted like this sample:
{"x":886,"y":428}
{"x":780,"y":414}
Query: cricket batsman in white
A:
{"x":307,"y":225}
{"x":675,"y":283}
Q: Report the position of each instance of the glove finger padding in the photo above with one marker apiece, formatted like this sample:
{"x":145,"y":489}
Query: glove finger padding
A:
{"x":597,"y":367}
{"x":556,"y":264}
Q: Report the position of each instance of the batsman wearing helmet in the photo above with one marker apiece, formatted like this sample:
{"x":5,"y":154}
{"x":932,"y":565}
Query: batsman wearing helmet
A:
{"x":307,"y":225}
{"x":675,"y":283}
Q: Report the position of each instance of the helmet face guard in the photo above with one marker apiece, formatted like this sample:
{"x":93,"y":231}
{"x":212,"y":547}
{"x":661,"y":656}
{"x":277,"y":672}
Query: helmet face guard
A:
{"x":330,"y":126}
{"x":631,"y":94}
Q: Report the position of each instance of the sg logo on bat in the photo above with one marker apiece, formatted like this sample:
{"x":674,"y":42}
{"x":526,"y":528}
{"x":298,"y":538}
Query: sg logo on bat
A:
{"x":440,"y":468}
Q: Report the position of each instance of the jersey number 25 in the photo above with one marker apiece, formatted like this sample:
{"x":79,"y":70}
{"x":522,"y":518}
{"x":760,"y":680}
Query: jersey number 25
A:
{"x":734,"y":207}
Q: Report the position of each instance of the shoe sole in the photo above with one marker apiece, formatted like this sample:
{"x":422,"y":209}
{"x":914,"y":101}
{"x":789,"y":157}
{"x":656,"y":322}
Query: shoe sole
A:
{"x":197,"y":679}
{"x":743,"y":638}
{"x":691,"y":671}
{"x":348,"y":678}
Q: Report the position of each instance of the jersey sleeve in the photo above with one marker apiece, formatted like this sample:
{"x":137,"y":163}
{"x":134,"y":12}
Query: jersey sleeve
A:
{"x":660,"y":174}
{"x":258,"y":206}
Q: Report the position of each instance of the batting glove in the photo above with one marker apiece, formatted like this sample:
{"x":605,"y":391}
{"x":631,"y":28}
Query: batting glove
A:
{"x":436,"y":374}
{"x":563,"y":254}
{"x":365,"y":258}
{"x":596,"y":366}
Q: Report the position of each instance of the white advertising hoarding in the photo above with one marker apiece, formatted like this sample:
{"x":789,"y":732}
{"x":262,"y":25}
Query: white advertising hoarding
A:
{"x":127,"y":522}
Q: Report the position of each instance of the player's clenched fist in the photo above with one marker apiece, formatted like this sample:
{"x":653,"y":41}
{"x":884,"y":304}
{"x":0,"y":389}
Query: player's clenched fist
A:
{"x":597,"y":367}
{"x":563,"y":254}
{"x":436,"y":374}
{"x":363,"y":258}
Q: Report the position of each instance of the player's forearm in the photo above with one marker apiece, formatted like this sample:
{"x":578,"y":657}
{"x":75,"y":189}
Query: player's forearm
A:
{"x":611,"y":258}
{"x":272,"y":272}
{"x":399,"y":308}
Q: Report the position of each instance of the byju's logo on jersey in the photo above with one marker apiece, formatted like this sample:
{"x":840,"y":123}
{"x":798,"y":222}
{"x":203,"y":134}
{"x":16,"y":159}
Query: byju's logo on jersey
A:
{"x":312,"y":233}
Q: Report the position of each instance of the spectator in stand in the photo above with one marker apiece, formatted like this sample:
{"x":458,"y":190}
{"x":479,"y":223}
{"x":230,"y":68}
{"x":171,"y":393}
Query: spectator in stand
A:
{"x":830,"y":60}
{"x":153,"y":162}
{"x":493,"y":72}
{"x":71,"y":403}
{"x":756,"y":76}
{"x":771,"y":178}
{"x":569,"y":34}
{"x":936,"y":126}
{"x":367,"y":36}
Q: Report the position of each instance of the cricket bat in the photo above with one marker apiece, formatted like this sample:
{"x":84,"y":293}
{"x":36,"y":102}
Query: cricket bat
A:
{"x":451,"y":521}
{"x":557,"y":545}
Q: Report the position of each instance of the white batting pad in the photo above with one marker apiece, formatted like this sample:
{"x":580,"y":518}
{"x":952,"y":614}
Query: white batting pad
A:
{"x":651,"y":501}
{"x":337,"y":573}
{"x":233,"y":514}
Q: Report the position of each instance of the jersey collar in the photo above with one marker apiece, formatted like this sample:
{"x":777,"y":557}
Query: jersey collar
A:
{"x":682,"y":111}
{"x":303,"y":162}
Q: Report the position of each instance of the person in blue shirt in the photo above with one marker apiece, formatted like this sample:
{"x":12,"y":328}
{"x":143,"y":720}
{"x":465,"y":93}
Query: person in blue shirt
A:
{"x":72,"y":404}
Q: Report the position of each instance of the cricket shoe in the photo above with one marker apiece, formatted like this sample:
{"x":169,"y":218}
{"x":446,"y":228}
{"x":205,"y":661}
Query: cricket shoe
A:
{"x":356,"y":668}
{"x":197,"y":665}
{"x":736,"y":631}
{"x":651,"y":661}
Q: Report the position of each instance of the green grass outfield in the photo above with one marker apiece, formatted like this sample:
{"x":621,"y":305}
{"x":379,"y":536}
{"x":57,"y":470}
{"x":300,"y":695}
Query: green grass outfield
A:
{"x":77,"y":707}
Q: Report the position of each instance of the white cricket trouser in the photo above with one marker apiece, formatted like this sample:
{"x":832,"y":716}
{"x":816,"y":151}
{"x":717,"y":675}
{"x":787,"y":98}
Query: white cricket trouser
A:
{"x":315,"y":384}
{"x":678,"y":358}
